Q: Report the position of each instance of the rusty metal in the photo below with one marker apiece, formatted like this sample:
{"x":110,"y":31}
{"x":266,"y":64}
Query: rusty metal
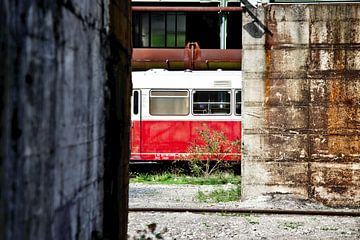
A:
{"x":252,"y":211}
{"x":184,"y":9}
{"x":192,"y":57}
{"x":192,"y":54}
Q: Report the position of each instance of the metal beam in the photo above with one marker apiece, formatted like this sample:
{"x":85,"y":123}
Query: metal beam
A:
{"x":184,"y":9}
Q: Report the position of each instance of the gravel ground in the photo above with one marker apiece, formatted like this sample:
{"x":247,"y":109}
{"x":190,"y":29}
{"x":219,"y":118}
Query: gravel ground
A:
{"x":188,"y":225}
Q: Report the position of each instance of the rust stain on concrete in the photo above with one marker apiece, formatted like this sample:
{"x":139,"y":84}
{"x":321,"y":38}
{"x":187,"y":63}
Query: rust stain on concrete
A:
{"x":322,"y":110}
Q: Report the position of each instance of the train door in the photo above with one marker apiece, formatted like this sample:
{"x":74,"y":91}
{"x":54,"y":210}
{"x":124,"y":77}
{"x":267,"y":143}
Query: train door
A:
{"x":136,"y":125}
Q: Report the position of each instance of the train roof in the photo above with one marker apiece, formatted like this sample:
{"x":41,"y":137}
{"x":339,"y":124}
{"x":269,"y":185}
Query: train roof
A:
{"x":161,"y":78}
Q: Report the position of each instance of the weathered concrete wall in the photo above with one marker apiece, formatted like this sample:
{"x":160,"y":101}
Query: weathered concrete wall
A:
{"x":55,"y":79}
{"x":118,"y":91}
{"x":301,"y":122}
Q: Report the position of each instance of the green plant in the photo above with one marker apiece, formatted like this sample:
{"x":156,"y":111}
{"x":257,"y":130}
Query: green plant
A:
{"x":219,"y":195}
{"x":292,"y":225}
{"x":170,"y":178}
{"x":210,"y":152}
{"x":149,"y":233}
{"x":251,"y":220}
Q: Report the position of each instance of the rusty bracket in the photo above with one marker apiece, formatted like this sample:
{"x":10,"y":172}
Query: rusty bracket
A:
{"x":248,"y":8}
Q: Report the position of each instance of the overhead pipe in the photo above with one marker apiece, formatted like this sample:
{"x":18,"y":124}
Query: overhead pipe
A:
{"x":184,"y":9}
{"x":192,"y":57}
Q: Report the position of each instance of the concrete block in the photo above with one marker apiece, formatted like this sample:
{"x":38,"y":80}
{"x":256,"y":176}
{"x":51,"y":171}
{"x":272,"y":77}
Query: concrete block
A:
{"x":336,"y":183}
{"x":253,"y":60}
{"x":282,"y":119}
{"x":337,"y":147}
{"x":286,"y":92}
{"x":276,"y":173}
{"x":287,"y":60}
{"x":275,"y":147}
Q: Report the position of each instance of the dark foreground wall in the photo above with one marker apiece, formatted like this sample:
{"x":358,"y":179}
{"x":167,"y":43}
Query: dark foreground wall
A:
{"x":301,"y":118}
{"x":56,"y":72}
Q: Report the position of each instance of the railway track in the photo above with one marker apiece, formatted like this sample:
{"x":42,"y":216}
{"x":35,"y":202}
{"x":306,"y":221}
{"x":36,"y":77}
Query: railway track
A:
{"x":249,"y":211}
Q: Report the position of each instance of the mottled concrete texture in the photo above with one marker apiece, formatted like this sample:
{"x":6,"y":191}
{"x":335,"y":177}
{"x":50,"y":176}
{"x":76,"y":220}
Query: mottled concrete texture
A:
{"x":301,"y":121}
{"x":56,"y":69}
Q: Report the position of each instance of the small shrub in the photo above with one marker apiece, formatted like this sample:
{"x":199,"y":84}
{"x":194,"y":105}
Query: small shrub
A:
{"x":210,"y":152}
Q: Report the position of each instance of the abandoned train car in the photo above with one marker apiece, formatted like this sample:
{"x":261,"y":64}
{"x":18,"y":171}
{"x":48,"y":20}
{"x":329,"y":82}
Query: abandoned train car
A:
{"x":169,"y":108}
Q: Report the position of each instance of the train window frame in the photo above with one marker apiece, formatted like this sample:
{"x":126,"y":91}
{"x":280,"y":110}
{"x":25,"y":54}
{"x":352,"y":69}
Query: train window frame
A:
{"x":237,"y":102}
{"x":208,"y":112}
{"x":153,"y":96}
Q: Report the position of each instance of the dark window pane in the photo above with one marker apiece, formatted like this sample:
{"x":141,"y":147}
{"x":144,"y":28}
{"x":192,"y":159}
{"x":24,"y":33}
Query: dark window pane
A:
{"x":136,"y":102}
{"x":203,"y":28}
{"x":181,"y":30}
{"x":233,"y":39}
{"x":211,"y":102}
{"x":238,"y":103}
{"x":145,"y":30}
{"x":157,"y":30}
{"x":171,"y":30}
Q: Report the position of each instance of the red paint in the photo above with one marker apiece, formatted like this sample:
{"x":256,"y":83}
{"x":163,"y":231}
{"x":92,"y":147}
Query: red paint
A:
{"x":167,"y":140}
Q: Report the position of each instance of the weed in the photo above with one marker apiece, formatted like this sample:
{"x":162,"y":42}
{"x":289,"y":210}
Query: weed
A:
{"x":292,"y":225}
{"x":251,"y":220}
{"x":206,"y":224}
{"x":219,"y":195}
{"x":169,"y":178}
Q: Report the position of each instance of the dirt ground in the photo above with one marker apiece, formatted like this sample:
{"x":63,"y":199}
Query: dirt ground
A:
{"x":188,"y":225}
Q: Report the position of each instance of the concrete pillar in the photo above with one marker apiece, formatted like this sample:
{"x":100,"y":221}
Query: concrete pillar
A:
{"x":301,"y":103}
{"x":56,"y":78}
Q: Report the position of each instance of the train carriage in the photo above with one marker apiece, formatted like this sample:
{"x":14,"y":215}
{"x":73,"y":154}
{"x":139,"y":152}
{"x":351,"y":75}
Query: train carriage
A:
{"x":168,"y":108}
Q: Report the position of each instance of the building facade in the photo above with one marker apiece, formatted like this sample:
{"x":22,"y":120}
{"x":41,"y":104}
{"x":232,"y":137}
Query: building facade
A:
{"x":180,"y":35}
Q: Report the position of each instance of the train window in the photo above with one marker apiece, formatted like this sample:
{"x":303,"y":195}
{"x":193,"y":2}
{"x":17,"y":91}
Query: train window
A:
{"x":211,"y":102}
{"x":136,"y":103}
{"x":169,"y":102}
{"x":238,"y":102}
